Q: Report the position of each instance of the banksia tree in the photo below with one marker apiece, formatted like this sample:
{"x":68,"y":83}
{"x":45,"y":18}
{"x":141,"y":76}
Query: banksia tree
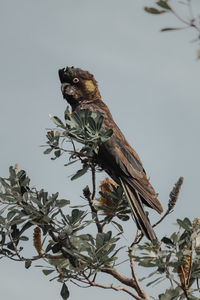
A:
{"x":78,"y":243}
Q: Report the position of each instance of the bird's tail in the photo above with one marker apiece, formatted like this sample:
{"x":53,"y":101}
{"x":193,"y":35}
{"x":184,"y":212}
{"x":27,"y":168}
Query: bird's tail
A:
{"x":138,"y":212}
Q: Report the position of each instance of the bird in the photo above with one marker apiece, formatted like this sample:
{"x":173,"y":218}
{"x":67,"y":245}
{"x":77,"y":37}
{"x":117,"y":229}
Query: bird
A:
{"x":116,"y":157}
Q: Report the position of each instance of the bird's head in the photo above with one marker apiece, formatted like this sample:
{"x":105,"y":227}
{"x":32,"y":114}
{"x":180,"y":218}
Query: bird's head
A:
{"x":78,"y":85}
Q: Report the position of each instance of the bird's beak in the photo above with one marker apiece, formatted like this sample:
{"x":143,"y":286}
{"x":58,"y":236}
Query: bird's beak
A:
{"x":64,"y":87}
{"x":61,"y":75}
{"x":67,"y":90}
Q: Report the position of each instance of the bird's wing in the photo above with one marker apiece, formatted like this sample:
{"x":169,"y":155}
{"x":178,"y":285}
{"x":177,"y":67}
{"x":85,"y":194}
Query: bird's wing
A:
{"x":128,"y":167}
{"x":120,"y":160}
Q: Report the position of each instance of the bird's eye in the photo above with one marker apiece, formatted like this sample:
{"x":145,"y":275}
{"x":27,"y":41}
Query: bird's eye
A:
{"x":75,"y":80}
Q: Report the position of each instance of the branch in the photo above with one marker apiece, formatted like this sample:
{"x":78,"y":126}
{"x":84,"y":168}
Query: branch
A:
{"x":139,"y":289}
{"x":123,"y":279}
{"x":93,"y":181}
{"x":87,"y":195}
{"x":116,"y":288}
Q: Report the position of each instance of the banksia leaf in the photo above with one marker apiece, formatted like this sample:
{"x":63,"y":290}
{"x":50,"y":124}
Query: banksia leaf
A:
{"x":196,"y":228}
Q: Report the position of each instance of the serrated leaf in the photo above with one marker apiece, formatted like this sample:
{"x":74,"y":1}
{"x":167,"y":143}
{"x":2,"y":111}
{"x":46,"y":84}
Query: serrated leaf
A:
{"x":170,"y":29}
{"x":47,"y":151}
{"x":186,"y":224}
{"x":80,"y":173}
{"x":71,"y":162}
{"x":62,"y":202}
{"x":107,"y":135}
{"x":92,"y":125}
{"x":100,"y":122}
{"x":57,"y":153}
{"x":47,"y":272}
{"x":99,"y":240}
{"x":77,"y":215}
{"x":23,"y":238}
{"x":191,"y":297}
{"x":4,"y":183}
{"x":64,"y":292}
{"x":57,"y":121}
{"x":10,"y":215}
{"x":167,"y":241}
{"x":171,"y":294}
{"x":28,"y":263}
{"x":155,"y":11}
{"x":154,"y":281}
{"x":163,"y":4}
{"x":107,"y":236}
{"x":118,"y":225}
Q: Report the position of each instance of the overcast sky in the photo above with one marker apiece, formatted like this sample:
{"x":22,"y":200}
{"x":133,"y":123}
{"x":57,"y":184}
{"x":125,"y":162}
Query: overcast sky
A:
{"x":150,"y":81}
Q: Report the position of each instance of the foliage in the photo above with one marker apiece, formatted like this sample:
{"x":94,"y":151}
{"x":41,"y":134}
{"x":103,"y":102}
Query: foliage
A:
{"x":171,"y":7}
{"x":64,"y":237}
{"x":176,"y":259}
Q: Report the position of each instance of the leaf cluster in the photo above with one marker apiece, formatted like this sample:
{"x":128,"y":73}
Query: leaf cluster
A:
{"x":166,"y":6}
{"x":71,"y":253}
{"x":64,"y":237}
{"x":82,"y":126}
{"x":175,"y":258}
{"x":79,"y":127}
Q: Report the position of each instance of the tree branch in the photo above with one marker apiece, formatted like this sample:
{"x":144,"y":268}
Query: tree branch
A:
{"x":116,"y":288}
{"x":139,"y":289}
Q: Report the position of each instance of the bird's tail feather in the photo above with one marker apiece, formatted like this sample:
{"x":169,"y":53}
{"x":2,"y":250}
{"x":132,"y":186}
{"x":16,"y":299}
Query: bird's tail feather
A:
{"x":138,"y":212}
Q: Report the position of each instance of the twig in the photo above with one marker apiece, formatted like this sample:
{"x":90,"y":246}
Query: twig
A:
{"x":198,"y":287}
{"x":190,"y":24}
{"x":138,"y":238}
{"x":88,"y":196}
{"x":15,"y":247}
{"x":139,"y":289}
{"x":111,"y":286}
{"x":190,"y":9}
{"x":168,"y":211}
{"x":190,"y":268}
{"x":93,"y":181}
{"x":81,"y":286}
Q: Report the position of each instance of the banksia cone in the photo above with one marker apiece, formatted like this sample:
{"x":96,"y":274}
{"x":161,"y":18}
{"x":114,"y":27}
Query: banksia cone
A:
{"x":173,"y":197}
{"x":37,"y":240}
{"x":108,"y":206}
{"x":183,"y":271}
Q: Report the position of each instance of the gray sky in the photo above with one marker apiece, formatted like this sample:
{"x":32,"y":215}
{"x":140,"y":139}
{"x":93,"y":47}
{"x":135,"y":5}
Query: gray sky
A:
{"x":150,"y":81}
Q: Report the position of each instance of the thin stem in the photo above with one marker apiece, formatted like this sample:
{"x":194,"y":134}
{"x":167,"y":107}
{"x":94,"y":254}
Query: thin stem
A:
{"x":88,"y":196}
{"x":163,"y":217}
{"x":190,"y":9}
{"x":191,"y":23}
{"x":15,"y":247}
{"x":93,"y":181}
{"x":139,"y":289}
{"x":190,"y":267}
{"x":198,"y":287}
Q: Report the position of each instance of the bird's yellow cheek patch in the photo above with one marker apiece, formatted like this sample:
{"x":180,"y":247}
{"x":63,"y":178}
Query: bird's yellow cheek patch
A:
{"x":89,"y":85}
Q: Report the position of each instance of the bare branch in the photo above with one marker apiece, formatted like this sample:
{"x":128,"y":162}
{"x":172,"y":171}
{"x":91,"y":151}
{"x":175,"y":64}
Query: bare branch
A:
{"x":116,"y":288}
{"x":138,"y":288}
